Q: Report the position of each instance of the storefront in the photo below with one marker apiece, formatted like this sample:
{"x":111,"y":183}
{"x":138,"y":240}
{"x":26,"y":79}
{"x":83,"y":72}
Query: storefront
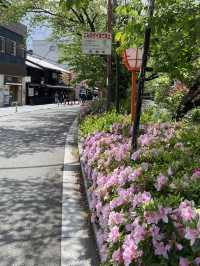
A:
{"x":45,"y":81}
{"x":12,"y":64}
{"x":12,"y":90}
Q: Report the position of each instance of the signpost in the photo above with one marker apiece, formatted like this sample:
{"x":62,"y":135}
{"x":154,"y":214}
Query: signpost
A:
{"x":97,"y":43}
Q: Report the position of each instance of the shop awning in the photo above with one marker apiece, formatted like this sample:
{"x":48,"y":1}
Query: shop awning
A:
{"x":59,"y":87}
{"x":45,"y":64}
{"x":32,"y":65}
{"x":13,"y":84}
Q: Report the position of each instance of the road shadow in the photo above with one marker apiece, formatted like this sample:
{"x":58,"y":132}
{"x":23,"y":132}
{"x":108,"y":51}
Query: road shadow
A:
{"x":41,"y":133}
{"x":30,"y":221}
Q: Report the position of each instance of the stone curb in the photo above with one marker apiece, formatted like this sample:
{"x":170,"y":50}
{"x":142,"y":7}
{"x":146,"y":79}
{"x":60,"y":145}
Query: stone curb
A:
{"x":73,"y":247}
{"x":86,"y":186}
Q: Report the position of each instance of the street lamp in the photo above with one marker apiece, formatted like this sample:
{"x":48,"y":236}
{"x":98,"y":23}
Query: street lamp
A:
{"x":132,"y":59}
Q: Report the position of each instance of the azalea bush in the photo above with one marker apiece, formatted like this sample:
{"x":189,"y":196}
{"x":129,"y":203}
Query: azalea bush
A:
{"x":119,"y":123}
{"x":193,"y":115}
{"x":104,"y":122}
{"x":154,"y":114}
{"x":146,"y":204}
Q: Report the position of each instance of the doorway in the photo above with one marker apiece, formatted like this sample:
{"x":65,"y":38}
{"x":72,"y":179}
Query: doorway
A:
{"x":14,"y":93}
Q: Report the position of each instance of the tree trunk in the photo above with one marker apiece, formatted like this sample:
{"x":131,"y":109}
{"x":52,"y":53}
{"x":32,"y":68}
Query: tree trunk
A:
{"x":190,"y":100}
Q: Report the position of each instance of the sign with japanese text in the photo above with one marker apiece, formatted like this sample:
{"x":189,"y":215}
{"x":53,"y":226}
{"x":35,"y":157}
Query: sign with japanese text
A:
{"x":97,"y":43}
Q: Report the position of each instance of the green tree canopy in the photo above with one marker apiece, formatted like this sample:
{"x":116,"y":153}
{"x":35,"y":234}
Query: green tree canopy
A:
{"x":175,"y":35}
{"x":66,"y":19}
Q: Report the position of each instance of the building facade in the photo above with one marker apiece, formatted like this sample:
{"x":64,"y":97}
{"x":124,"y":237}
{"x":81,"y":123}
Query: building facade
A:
{"x":49,"y":49}
{"x":46,"y":80}
{"x":12,"y":64}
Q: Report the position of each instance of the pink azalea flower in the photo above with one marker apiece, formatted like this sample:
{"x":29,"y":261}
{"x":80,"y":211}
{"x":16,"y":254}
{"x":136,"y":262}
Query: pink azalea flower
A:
{"x":141,"y":198}
{"x":186,"y":211}
{"x":164,"y":212}
{"x":145,"y":140}
{"x":117,"y":256}
{"x":184,"y":262}
{"x":192,"y":235}
{"x":129,"y":250}
{"x":138,"y":233}
{"x":135,"y":174}
{"x":152,"y":217}
{"x":179,"y":246}
{"x":197,"y":261}
{"x":161,"y":182}
{"x":161,"y":249}
{"x":196,"y":174}
{"x":136,"y":155}
{"x":156,"y":235}
{"x":115,"y":218}
{"x":114,"y":234}
{"x":128,"y":227}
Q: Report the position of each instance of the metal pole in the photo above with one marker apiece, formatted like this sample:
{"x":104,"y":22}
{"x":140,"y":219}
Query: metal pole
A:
{"x":133,"y":95}
{"x":147,"y":36}
{"x":117,"y":82}
{"x":109,"y":59}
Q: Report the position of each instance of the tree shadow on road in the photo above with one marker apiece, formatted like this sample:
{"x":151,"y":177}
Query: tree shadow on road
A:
{"x":30,"y":221}
{"x":41,"y":134}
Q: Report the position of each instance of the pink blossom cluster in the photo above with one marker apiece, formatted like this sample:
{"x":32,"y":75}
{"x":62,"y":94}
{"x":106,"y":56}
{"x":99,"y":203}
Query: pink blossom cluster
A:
{"x":105,"y":150}
{"x":127,"y":214}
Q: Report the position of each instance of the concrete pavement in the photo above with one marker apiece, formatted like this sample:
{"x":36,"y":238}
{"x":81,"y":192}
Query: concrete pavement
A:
{"x":12,"y":110}
{"x":78,"y":247}
{"x":31,"y":169}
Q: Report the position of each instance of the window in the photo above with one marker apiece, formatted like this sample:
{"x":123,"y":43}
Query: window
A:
{"x":2,"y":44}
{"x":11,"y":47}
{"x":54,"y":75}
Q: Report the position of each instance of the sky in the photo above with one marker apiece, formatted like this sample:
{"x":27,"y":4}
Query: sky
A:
{"x":39,"y":33}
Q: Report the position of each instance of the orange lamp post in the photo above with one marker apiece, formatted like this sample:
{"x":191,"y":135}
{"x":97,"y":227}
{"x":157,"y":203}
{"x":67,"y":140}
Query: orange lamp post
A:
{"x":132,"y":59}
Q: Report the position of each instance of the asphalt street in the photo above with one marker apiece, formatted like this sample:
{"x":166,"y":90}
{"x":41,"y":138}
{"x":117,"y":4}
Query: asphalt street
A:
{"x":31,"y":168}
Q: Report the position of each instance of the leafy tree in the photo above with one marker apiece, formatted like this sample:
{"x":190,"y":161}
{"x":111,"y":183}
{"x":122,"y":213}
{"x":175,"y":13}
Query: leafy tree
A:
{"x":67,"y":19}
{"x":87,"y":67}
{"x":175,"y":49}
{"x":175,"y":35}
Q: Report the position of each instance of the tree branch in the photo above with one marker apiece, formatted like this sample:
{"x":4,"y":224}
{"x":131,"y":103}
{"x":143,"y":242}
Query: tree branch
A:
{"x":89,"y":21}
{"x":45,"y":11}
{"x":78,"y":15}
{"x":153,"y":76}
{"x":94,"y":18}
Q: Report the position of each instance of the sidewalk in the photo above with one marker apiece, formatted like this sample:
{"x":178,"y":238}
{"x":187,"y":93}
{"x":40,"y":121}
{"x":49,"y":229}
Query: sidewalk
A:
{"x":4,"y":111}
{"x":78,"y":247}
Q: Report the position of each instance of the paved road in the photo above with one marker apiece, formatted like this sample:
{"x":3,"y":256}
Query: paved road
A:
{"x":31,"y":162}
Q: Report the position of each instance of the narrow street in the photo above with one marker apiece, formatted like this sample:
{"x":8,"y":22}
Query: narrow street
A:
{"x":31,"y":168}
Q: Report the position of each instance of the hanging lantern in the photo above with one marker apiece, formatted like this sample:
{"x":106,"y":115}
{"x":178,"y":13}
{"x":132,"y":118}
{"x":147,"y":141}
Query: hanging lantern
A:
{"x":132,"y":59}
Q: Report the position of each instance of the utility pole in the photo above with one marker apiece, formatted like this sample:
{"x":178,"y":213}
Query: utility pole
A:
{"x":117,"y":93}
{"x":147,"y":35}
{"x":109,"y":59}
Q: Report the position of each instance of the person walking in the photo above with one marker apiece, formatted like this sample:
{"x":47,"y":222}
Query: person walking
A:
{"x":60,"y":98}
{"x":82,"y":94}
{"x":56,"y":98}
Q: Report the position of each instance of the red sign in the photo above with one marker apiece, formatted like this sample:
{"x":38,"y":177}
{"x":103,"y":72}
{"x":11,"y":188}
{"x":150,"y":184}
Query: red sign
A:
{"x":97,"y":35}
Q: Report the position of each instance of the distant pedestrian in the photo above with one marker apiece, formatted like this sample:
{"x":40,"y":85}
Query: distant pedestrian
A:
{"x":60,"y":98}
{"x":56,"y":98}
{"x":65,"y":98}
{"x":82,"y":94}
